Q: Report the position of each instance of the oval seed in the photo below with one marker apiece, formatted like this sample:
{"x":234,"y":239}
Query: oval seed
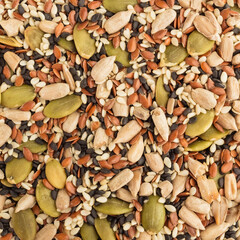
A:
{"x":15,"y":97}
{"x":88,"y":232}
{"x":161,"y":93}
{"x":201,"y":125}
{"x":198,"y":145}
{"x":67,"y":45}
{"x":10,"y":41}
{"x":45,"y":201}
{"x":104,"y":229}
{"x":113,"y":206}
{"x":198,"y":44}
{"x":153,"y":215}
{"x":55,"y":174}
{"x":17,"y":170}
{"x":117,"y":6}
{"x":173,"y":55}
{"x":212,"y":134}
{"x":33,"y":146}
{"x":62,"y":107}
{"x":33,"y":37}
{"x":85,"y":45}
{"x":121,"y":56}
{"x":24,"y":224}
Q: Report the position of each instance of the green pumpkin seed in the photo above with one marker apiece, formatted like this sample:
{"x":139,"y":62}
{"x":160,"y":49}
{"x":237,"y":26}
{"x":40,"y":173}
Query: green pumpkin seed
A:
{"x":161,"y":93}
{"x":235,"y":8}
{"x":173,"y":55}
{"x":201,"y":125}
{"x":217,"y":177}
{"x":104,"y":229}
{"x":10,"y":41}
{"x":198,"y":145}
{"x":117,"y":6}
{"x":198,"y":44}
{"x":17,"y":170}
{"x":153,"y":215}
{"x":114,"y":206}
{"x":121,"y":56}
{"x":33,"y":37}
{"x":62,"y":107}
{"x":15,"y":97}
{"x":67,"y":45}
{"x":212,"y":134}
{"x":88,"y":232}
{"x":6,"y":183}
{"x":45,"y":201}
{"x":55,"y":173}
{"x":85,"y":45}
{"x":33,"y":147}
{"x":24,"y":224}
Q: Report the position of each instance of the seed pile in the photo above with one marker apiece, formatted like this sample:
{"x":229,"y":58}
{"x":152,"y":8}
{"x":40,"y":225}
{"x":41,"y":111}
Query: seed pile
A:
{"x":119,"y":120}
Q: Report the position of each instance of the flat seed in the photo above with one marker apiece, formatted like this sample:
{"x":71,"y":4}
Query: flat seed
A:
{"x":212,"y":134}
{"x":198,"y":145}
{"x":113,"y":206}
{"x":118,"y":6}
{"x":33,"y":37}
{"x":121,"y":55}
{"x":5,"y":133}
{"x":62,"y":107}
{"x":17,"y":170}
{"x":201,"y":125}
{"x":173,"y":55}
{"x":55,"y":173}
{"x":33,"y":146}
{"x":15,"y":97}
{"x":67,"y":45}
{"x":85,"y":45}
{"x":161,"y":94}
{"x":24,"y":224}
{"x":197,"y":44}
{"x":88,"y":232}
{"x":10,"y":41}
{"x":46,"y":233}
{"x":104,"y":230}
{"x":45,"y":201}
{"x":153,"y":215}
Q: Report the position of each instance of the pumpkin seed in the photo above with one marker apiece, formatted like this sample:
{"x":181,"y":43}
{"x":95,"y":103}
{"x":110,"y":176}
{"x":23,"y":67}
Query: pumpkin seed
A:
{"x":55,"y":173}
{"x":24,"y":224}
{"x":117,"y":6}
{"x":235,"y":8}
{"x":45,"y":201}
{"x":201,"y":125}
{"x":198,"y":145}
{"x":217,"y":177}
{"x":6,"y":183}
{"x":173,"y":55}
{"x":212,"y":134}
{"x":88,"y":232}
{"x":198,"y":44}
{"x":153,"y":215}
{"x":85,"y":45}
{"x":113,"y":206}
{"x":104,"y":229}
{"x":10,"y":41}
{"x":67,"y":45}
{"x":17,"y":170}
{"x":15,"y":97}
{"x":33,"y":146}
{"x":161,"y":93}
{"x":33,"y":37}
{"x":121,"y":56}
{"x":62,"y":107}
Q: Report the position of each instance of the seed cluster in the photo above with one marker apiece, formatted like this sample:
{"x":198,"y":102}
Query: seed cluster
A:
{"x":119,"y":119}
